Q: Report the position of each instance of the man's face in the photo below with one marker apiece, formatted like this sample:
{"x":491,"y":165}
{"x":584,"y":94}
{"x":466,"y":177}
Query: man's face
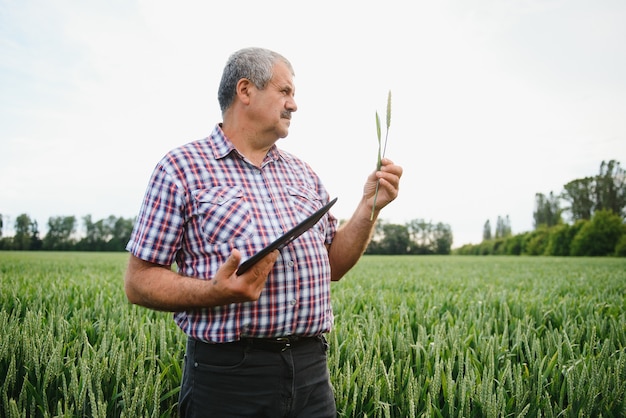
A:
{"x":271,"y":107}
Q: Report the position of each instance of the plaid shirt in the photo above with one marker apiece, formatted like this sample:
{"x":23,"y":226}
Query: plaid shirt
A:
{"x":203,"y":200}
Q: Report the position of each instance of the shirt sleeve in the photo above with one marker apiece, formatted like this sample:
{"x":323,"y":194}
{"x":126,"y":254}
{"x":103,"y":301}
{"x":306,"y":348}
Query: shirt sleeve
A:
{"x":158,"y":231}
{"x":332,"y":230}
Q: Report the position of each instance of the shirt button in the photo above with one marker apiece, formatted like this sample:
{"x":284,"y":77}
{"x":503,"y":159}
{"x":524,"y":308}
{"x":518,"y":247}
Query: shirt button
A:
{"x":290,"y":264}
{"x":268,"y":199}
{"x":292,"y":302}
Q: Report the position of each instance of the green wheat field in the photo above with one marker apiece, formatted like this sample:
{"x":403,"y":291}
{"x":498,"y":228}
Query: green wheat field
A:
{"x":415,"y":336}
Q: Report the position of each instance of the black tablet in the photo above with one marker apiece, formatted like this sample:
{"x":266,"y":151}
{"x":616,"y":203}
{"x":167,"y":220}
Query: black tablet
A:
{"x":285,"y":239}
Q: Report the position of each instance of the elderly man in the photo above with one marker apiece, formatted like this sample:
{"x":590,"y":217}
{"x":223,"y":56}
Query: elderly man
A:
{"x":256,"y":343}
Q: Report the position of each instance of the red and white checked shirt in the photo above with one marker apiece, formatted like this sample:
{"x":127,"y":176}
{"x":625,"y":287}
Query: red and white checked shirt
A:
{"x":204,"y":199}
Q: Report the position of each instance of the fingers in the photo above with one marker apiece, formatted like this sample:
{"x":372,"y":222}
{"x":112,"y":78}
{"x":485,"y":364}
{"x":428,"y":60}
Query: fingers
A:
{"x":232,"y":263}
{"x":252,"y":282}
{"x":390,"y":174}
{"x":388,"y":181}
{"x":387,"y":192}
{"x":264,"y":265}
{"x":389,"y":167}
{"x":231,"y":288}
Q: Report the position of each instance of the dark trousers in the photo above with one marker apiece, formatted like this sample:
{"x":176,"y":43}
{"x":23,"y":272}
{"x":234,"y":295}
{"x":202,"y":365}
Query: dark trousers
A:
{"x":246,"y":379}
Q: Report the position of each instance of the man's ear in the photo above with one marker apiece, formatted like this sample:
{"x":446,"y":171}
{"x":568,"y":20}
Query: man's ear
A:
{"x":243,"y":90}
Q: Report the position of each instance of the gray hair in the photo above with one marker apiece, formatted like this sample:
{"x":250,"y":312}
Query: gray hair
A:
{"x":255,"y":64}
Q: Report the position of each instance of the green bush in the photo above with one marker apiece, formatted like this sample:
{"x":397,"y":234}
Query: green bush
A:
{"x":513,"y":245}
{"x":598,"y":237}
{"x":536,"y":241}
{"x":620,"y":248}
{"x":559,"y":240}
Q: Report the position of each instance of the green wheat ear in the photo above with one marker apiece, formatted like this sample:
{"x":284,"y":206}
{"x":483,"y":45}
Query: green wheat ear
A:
{"x":389,"y":110}
{"x":381,"y":156}
{"x":379,"y":160}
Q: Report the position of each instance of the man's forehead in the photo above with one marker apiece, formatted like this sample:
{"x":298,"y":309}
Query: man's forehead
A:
{"x":282,"y":75}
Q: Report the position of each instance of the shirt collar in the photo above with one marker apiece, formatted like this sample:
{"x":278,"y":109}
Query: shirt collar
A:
{"x":222,"y":146}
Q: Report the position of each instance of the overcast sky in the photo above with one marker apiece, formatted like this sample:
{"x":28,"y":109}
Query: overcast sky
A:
{"x":493,"y":100}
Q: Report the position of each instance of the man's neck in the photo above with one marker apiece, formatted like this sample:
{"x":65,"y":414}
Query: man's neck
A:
{"x":247,"y":142}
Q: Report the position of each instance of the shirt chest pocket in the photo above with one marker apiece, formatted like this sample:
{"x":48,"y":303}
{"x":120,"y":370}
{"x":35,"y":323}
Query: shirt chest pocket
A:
{"x":304,"y":202}
{"x":223,"y":214}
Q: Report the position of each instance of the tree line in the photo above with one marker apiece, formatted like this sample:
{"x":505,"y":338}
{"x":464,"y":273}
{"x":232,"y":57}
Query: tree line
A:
{"x":415,"y":237}
{"x":109,"y":234}
{"x":112,"y":234}
{"x":585,"y":219}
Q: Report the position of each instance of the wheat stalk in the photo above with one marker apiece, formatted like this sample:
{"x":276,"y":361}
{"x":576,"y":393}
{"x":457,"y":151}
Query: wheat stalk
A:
{"x":381,"y":156}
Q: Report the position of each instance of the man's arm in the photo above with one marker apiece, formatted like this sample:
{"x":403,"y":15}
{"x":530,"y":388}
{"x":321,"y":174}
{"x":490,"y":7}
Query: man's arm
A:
{"x":352,"y":238}
{"x":158,"y":287}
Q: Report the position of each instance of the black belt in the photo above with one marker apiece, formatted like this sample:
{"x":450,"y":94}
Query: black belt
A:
{"x":276,"y":344}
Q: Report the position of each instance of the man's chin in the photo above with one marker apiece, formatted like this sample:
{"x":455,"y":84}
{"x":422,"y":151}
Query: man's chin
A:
{"x":283,"y":133}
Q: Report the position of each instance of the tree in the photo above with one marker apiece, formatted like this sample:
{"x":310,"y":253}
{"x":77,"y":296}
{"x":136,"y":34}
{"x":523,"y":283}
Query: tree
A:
{"x":487,"y":231}
{"x":396,"y":240}
{"x":90,"y":240}
{"x":547,"y":210}
{"x":610,"y":188}
{"x":21,"y":239}
{"x":606,"y":191}
{"x":443,"y":239}
{"x":414,"y":237}
{"x":98,"y":234}
{"x":581,"y":195}
{"x":110,"y":234}
{"x":59,"y":235}
{"x":35,"y":241}
{"x":26,"y":234}
{"x":121,"y":230}
{"x":503,"y":227}
{"x":420,"y":234}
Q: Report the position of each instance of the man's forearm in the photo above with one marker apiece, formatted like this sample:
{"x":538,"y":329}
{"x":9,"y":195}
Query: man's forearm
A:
{"x":351,"y":241}
{"x":159,"y":288}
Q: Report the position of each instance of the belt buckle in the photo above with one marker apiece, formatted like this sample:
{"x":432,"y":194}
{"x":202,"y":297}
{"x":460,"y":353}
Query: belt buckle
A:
{"x":285,"y":341}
